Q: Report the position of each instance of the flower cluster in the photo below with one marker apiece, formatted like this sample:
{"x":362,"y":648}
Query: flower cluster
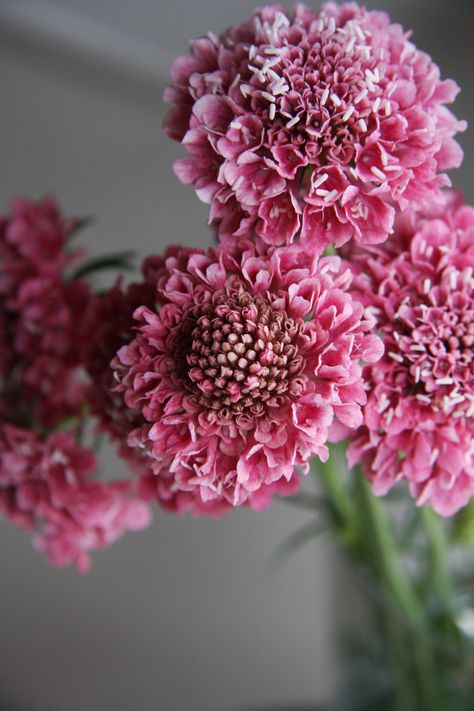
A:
{"x":240,"y":374}
{"x":46,"y":481}
{"x":418,"y":421}
{"x":221,"y":373}
{"x":45,"y":485}
{"x":39,"y":314}
{"x":311,"y":125}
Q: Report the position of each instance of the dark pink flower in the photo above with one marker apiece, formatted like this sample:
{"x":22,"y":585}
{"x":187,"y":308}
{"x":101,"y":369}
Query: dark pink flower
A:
{"x":40,"y":314}
{"x":45,"y":486}
{"x":238,"y":377}
{"x":418,"y":422}
{"x":110,"y":318}
{"x":333,"y":116}
{"x":33,"y":238}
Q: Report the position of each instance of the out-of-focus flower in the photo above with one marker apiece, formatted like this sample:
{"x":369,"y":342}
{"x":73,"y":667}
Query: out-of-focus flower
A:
{"x":46,"y":486}
{"x":109,"y":318}
{"x":311,"y":125}
{"x":418,"y":422}
{"x":239,"y":376}
{"x":40,"y":313}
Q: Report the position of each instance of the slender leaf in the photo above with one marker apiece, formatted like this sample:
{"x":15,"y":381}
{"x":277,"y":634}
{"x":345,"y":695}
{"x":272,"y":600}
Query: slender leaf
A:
{"x":295,"y":541}
{"x":119,"y":260}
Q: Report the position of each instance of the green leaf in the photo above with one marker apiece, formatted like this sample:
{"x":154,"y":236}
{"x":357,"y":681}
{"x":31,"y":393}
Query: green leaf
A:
{"x":295,"y":541}
{"x":119,"y":260}
{"x":78,"y":225}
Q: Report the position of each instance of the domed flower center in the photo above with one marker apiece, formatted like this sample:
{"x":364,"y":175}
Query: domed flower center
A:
{"x":436,"y":340}
{"x":320,"y":88}
{"x":238,"y":356}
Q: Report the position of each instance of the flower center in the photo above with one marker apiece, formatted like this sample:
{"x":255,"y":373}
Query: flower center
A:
{"x":238,"y":357}
{"x":319,"y":89}
{"x":436,"y":340}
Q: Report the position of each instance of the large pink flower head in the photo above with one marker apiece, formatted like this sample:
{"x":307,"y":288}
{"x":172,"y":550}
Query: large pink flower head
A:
{"x":110,"y":318}
{"x":418,"y":421}
{"x":40,"y":310}
{"x":311,"y":125}
{"x":240,"y":374}
{"x":45,"y":486}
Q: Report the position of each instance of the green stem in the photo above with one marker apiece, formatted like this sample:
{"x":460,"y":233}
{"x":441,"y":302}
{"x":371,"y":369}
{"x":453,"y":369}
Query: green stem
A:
{"x":340,"y":505}
{"x":387,"y":567}
{"x":405,"y":693}
{"x":385,"y":553}
{"x":439,"y":578}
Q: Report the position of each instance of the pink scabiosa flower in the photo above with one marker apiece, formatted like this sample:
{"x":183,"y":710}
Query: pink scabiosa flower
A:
{"x":40,"y":312}
{"x":418,"y":421}
{"x":239,"y":375}
{"x":45,"y":486}
{"x":110,"y":318}
{"x":311,"y":125}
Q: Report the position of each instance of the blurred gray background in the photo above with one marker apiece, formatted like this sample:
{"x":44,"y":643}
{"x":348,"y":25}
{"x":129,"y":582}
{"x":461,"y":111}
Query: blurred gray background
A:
{"x":186,"y":616}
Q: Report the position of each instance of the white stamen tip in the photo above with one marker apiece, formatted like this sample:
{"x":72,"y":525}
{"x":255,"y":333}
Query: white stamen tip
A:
{"x":361,"y":95}
{"x":270,"y":63}
{"x":348,"y":113}
{"x":359,"y":33}
{"x":268,"y":97}
{"x":378,"y":173}
{"x":423,"y":398}
{"x":292,"y":122}
{"x":434,"y":456}
{"x":330,"y":196}
{"x":384,"y":402}
{"x":322,"y":178}
{"x":324,"y":97}
{"x":395,"y":356}
{"x":350,"y":45}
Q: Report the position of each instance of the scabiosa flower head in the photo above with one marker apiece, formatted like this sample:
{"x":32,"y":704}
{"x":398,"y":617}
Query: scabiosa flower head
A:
{"x":311,"y":125}
{"x":45,"y":486}
{"x":33,"y":237}
{"x":40,"y":312}
{"x":110,"y":318}
{"x":418,"y":422}
{"x":240,"y":374}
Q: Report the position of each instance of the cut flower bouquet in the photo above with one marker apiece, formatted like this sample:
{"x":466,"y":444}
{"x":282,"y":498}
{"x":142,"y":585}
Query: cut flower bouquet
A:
{"x":329,"y":332}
